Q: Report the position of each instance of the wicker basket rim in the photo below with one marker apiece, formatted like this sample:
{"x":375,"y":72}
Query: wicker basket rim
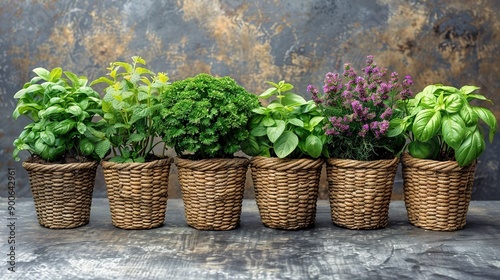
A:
{"x":361,"y":164}
{"x":275,"y":163}
{"x":430,"y":164}
{"x":211,"y":163}
{"x":50,"y":167}
{"x":135,"y":165}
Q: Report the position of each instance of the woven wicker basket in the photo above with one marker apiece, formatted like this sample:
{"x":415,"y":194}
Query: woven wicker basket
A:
{"x":62,"y":192}
{"x":212,"y":191}
{"x":437,"y":193}
{"x":360,"y":192}
{"x":286,"y":191}
{"x":137,"y":193}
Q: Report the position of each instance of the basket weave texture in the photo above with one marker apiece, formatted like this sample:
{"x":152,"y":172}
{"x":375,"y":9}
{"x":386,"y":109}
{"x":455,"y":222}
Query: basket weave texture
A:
{"x":360,"y":192}
{"x":62,"y":193}
{"x":286,"y":191}
{"x":212,"y":191}
{"x":437,"y":193}
{"x":137,"y":193}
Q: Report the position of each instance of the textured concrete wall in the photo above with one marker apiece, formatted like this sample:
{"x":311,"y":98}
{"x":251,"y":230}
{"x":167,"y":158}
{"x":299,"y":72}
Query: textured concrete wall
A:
{"x":451,"y":42}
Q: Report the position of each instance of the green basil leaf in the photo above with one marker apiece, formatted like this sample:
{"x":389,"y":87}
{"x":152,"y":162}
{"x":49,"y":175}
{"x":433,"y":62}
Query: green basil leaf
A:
{"x":468,"y":89}
{"x":296,"y":122}
{"x":453,"y":103}
{"x":55,"y":74}
{"x":292,"y":99}
{"x":42,"y":73}
{"x":313,"y":146}
{"x":268,"y":121}
{"x":472,"y":147}
{"x":250,"y":146}
{"x":81,"y":127}
{"x":274,"y":132}
{"x":86,"y":147}
{"x":423,"y":150}
{"x":468,"y":115}
{"x":490,"y":119}
{"x":48,"y":137}
{"x":286,"y":144}
{"x":315,"y":121}
{"x":259,"y":131}
{"x":268,"y":93}
{"x":74,"y":110}
{"x":426,"y":124}
{"x":453,"y":130}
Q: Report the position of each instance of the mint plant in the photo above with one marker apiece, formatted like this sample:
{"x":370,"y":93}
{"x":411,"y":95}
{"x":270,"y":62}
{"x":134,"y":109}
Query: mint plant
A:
{"x":289,"y":127}
{"x":204,"y":116}
{"x":131,"y":99}
{"x":60,"y":108}
{"x":441,"y":124}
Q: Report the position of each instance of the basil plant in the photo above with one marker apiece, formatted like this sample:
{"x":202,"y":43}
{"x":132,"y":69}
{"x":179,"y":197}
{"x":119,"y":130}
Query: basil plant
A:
{"x":442,"y":124}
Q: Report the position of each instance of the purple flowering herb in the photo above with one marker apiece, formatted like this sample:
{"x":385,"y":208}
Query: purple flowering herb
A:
{"x":387,"y":114}
{"x":314,"y":94}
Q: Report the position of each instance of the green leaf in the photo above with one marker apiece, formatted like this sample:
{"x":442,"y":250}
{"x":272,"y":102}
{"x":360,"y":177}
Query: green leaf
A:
{"x":250,"y":146}
{"x":259,"y":131}
{"x":468,"y":115}
{"x":50,"y":111}
{"x":426,"y":124}
{"x":74,"y":110}
{"x":285,"y":144}
{"x":268,"y":93}
{"x":63,"y":127}
{"x":55,"y":74}
{"x":260,"y":111}
{"x":86,"y":147}
{"x":490,"y":119}
{"x":268,"y":121}
{"x":48,"y":137}
{"x":478,"y":96}
{"x":81,"y":127}
{"x":285,"y":87}
{"x":136,"y":137}
{"x":42,"y":73}
{"x":73,"y":78}
{"x":314,"y":146}
{"x":296,"y":122}
{"x":396,"y":127}
{"x":292,"y":99}
{"x":423,"y":150}
{"x":472,"y":147}
{"x":453,"y":103}
{"x":453,"y":130}
{"x":274,"y":105}
{"x":102,"y":80}
{"x":274,"y":132}
{"x":102,"y":148}
{"x":468,"y":89}
{"x":315,"y":121}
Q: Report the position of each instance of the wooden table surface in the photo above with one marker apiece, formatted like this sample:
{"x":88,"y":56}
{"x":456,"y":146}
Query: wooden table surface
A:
{"x":175,"y":251}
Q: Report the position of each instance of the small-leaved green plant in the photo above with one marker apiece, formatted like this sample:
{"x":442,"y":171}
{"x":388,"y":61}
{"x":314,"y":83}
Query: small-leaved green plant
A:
{"x":60,"y":107}
{"x":289,"y":127}
{"x":205,"y":117}
{"x":130,"y":101}
{"x":441,"y":124}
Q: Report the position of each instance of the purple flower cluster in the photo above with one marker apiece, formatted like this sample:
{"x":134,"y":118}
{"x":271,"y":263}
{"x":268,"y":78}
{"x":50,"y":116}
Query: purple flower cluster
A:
{"x":360,"y":105}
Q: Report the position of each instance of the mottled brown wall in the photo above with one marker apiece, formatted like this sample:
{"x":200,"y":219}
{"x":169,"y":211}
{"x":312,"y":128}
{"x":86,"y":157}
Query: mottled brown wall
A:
{"x":451,"y":42}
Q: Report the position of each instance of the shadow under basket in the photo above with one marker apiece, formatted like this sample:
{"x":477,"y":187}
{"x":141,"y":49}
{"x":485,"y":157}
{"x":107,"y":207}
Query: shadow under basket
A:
{"x":437,"y":193}
{"x":286,"y":191}
{"x":212,"y":191}
{"x":62,"y":193}
{"x":137,"y":193}
{"x":360,"y":192}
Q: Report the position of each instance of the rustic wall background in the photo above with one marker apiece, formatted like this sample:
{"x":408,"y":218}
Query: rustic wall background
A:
{"x":451,"y":42}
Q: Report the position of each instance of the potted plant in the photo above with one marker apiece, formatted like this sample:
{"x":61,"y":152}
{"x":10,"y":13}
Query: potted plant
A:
{"x":136,"y":178}
{"x":203,"y":118}
{"x":445,"y":139}
{"x":64,"y":144}
{"x":287,"y":142}
{"x":363,"y":158}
